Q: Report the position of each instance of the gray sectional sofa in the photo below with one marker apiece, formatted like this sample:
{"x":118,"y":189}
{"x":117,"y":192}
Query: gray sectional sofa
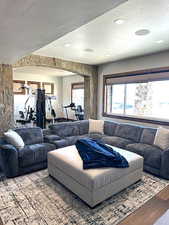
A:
{"x":133,"y":138}
{"x":32,"y":157}
{"x":38,"y":143}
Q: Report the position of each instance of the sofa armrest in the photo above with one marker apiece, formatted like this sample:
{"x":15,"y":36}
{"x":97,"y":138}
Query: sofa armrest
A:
{"x":164,"y":171}
{"x":9,"y":160}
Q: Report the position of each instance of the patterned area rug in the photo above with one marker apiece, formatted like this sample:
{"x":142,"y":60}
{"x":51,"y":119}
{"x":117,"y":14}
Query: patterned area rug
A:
{"x":37,"y":199}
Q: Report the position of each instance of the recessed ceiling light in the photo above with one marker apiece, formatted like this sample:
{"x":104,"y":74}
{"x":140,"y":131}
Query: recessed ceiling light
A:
{"x":119,"y":21}
{"x":108,"y":55}
{"x":67,"y":45}
{"x":142,"y":32}
{"x":88,"y":50}
{"x":159,"y":41}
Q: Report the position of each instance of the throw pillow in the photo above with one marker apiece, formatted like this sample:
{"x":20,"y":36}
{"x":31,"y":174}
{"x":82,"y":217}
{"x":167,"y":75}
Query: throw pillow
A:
{"x":14,"y":139}
{"x":96,"y":126}
{"x":162,"y":138}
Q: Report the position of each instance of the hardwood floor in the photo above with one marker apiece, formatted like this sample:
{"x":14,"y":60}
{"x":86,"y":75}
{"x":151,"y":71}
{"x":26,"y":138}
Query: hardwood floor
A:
{"x":149,"y":212}
{"x":1,"y":221}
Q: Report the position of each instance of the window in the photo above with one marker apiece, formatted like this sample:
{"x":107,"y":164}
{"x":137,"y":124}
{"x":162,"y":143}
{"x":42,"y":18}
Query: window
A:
{"x":78,"y":94}
{"x":138,"y":97}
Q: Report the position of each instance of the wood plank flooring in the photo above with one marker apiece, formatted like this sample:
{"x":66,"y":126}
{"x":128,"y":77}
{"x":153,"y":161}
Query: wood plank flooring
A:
{"x":149,"y":212}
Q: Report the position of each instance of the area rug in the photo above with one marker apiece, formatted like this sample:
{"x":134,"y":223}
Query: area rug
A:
{"x":37,"y":199}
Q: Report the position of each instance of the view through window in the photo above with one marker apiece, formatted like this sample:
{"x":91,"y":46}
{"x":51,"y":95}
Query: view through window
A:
{"x":138,"y":99}
{"x":78,"y":94}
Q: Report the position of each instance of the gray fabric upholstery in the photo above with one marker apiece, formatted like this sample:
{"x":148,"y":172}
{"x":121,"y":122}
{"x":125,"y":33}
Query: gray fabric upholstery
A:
{"x":153,"y":158}
{"x":148,"y":136}
{"x":109,"y":128}
{"x":127,"y":136}
{"x":9,"y":160}
{"x":33,"y":154}
{"x":95,"y":136}
{"x":164,"y":170}
{"x":151,"y":154}
{"x":128,"y":131}
{"x":47,"y":132}
{"x":94,"y":185}
{"x":65,"y":129}
{"x":50,"y":138}
{"x":152,"y":170}
{"x":33,"y":135}
{"x":83,"y":127}
{"x":61,"y":143}
{"x":116,"y":141}
{"x":72,"y":140}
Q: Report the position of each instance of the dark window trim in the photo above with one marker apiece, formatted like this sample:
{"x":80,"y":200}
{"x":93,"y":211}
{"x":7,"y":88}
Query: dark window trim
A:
{"x":132,"y":118}
{"x":74,"y":84}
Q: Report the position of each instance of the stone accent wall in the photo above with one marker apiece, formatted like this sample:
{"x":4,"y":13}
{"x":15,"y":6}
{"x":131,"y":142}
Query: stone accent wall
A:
{"x":90,"y":96}
{"x":37,"y":60}
{"x":6,"y":98}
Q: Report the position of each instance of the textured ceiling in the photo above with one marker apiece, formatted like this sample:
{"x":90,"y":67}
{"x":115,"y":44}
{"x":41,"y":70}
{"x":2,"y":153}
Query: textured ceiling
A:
{"x":102,"y":40}
{"x":27,"y":25}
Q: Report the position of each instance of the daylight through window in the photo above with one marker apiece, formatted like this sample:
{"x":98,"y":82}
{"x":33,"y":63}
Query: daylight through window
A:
{"x":138,"y":98}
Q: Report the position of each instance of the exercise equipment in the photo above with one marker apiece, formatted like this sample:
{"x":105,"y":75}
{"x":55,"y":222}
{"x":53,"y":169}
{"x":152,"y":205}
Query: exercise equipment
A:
{"x":72,"y":107}
{"x":40,"y":109}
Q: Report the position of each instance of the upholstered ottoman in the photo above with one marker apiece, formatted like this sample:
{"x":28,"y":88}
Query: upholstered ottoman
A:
{"x":93,"y":185}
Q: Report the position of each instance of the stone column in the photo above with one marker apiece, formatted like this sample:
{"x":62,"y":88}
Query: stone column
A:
{"x":87,"y":96}
{"x":6,"y":98}
{"x":90,"y":93}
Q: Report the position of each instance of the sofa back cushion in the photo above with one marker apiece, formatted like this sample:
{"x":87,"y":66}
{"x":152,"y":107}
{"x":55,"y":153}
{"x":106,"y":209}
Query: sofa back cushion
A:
{"x":148,"y":136}
{"x":110,"y":127}
{"x":128,"y":131}
{"x":31,"y":135}
{"x":65,"y":129}
{"x":83,"y":127}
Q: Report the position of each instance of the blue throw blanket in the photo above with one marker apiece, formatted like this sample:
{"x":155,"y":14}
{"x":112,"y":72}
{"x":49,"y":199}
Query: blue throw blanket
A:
{"x":96,"y":155}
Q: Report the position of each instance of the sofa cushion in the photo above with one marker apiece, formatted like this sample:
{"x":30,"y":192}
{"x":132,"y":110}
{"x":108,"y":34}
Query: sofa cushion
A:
{"x":83,"y":127}
{"x":65,"y":129}
{"x":151,"y":154}
{"x":61,"y":143}
{"x":128,"y":131}
{"x":116,"y":141}
{"x":148,"y":136}
{"x":33,"y":154}
{"x":109,"y":127}
{"x":153,"y":158}
{"x":72,"y":140}
{"x":95,"y":136}
{"x":50,"y":138}
{"x":31,"y":135}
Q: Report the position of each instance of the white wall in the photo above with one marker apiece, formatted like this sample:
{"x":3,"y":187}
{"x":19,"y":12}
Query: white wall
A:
{"x":139,"y":63}
{"x":66,"y":96}
{"x":19,"y":100}
{"x":62,"y":91}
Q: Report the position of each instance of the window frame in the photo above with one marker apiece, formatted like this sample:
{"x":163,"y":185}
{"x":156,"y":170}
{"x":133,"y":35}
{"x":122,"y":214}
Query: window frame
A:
{"x":72,"y":87}
{"x":145,"y":119}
